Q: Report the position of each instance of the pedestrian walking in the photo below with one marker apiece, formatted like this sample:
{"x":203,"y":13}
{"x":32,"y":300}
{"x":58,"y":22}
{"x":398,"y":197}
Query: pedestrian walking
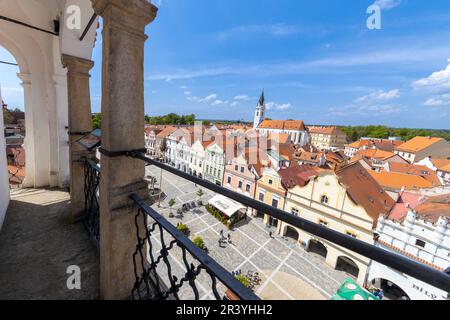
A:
{"x":229,"y":238}
{"x":221,"y":234}
{"x":270,"y":234}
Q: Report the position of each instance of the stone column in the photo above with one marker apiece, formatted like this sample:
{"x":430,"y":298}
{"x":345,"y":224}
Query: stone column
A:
{"x":124,"y":24}
{"x":80,"y":122}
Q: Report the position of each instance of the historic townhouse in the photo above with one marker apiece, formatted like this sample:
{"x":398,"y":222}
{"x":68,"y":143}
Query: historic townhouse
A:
{"x":327,"y":138}
{"x":270,"y":190}
{"x":161,"y":142}
{"x":214,"y":164}
{"x":348,"y":201}
{"x":183,"y":152}
{"x":197,"y":157}
{"x":243,"y":172}
{"x":150,"y":139}
{"x":418,"y":228}
{"x":420,"y":148}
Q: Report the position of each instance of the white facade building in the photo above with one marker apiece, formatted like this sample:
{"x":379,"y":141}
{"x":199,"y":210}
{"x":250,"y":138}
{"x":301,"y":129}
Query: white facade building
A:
{"x":423,"y":235}
{"x":4,"y":182}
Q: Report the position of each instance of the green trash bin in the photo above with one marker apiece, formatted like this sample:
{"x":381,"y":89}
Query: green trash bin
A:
{"x":350,"y":290}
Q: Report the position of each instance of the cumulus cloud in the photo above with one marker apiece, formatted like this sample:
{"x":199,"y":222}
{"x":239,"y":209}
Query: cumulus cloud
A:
{"x":438,"y":101}
{"x":276,"y":106}
{"x":437,"y":81}
{"x":188,"y":93}
{"x":387,"y":4}
{"x":219,"y":102}
{"x":378,"y":96}
{"x":209,"y":98}
{"x":373,"y":104}
{"x":242,"y":97}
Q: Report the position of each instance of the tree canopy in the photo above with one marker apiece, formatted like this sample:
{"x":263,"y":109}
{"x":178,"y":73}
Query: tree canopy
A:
{"x":171,"y":118}
{"x":383,"y":132}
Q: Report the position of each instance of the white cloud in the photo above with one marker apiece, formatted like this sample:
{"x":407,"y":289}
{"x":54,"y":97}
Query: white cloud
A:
{"x":387,"y":4}
{"x":438,"y":101}
{"x":234,"y":104}
{"x":373,"y":104}
{"x":184,"y":87}
{"x":378,"y":96}
{"x":209,"y":98}
{"x":276,"y":106}
{"x":242,"y":97}
{"x":437,"y":81}
{"x":188,"y":93}
{"x":220,"y":103}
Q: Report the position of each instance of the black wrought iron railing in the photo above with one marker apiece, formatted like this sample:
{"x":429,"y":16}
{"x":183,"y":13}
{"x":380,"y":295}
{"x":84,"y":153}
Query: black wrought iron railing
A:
{"x":91,"y":218}
{"x":155,"y":276}
{"x":398,"y":262}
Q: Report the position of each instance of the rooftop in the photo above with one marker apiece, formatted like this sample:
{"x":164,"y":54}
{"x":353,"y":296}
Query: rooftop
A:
{"x":283,"y":125}
{"x":418,"y":144}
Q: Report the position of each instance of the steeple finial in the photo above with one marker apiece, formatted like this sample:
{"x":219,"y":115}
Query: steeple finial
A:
{"x":261,"y":99}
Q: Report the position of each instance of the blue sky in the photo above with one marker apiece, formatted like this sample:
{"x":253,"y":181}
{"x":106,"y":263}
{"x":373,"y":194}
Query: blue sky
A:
{"x":316,"y":60}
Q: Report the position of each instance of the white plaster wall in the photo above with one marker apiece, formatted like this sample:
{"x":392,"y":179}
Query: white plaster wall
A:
{"x":4,"y":185}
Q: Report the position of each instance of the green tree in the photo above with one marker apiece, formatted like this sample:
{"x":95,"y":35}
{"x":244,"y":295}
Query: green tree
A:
{"x":7,"y":117}
{"x":172,"y":202}
{"x":97,"y":121}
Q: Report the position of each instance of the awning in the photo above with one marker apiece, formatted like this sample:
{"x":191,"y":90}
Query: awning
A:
{"x":226,"y":205}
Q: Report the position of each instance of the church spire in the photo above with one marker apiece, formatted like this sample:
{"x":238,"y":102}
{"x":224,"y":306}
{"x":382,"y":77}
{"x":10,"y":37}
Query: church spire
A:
{"x":261,"y":99}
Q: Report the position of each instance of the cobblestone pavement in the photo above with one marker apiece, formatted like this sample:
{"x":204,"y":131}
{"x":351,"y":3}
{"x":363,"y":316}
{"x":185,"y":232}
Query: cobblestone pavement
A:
{"x":286,"y":270}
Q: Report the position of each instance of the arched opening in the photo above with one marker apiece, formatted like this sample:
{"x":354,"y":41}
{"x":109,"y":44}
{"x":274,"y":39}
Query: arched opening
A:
{"x":13,"y":126}
{"x":348,"y":266}
{"x":290,"y":232}
{"x":317,"y":247}
{"x":391,"y":290}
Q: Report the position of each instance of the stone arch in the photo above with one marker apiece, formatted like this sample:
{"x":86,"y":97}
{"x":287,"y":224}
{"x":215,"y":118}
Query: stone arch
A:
{"x":393,"y":292}
{"x":291,"y":232}
{"x":318,"y":247}
{"x":347,"y":265}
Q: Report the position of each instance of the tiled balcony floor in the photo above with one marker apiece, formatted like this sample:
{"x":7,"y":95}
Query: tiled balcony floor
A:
{"x":37,"y":244}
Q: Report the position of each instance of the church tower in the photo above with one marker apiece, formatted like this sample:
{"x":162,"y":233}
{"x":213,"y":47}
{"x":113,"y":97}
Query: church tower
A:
{"x":259,"y":112}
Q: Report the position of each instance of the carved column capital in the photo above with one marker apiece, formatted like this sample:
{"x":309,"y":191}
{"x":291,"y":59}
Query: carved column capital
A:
{"x":75,"y":64}
{"x":138,"y":9}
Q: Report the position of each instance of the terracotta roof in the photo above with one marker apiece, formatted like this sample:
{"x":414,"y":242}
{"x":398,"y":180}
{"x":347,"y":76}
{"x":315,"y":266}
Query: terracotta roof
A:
{"x":445,"y":168}
{"x":376,"y":154}
{"x":434,"y":208}
{"x":297,"y":176}
{"x":287,"y":150}
{"x":396,"y":180}
{"x":405,"y":202}
{"x":166,"y":132}
{"x":326,"y":130}
{"x":418,"y":143}
{"x":283,"y":125}
{"x":382,"y":144}
{"x":364,"y":190}
{"x":440,"y":162}
{"x":280,"y":137}
{"x":417,"y":170}
{"x":308,"y":156}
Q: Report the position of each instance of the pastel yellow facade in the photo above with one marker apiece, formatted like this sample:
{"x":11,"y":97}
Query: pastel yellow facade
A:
{"x":270,"y":191}
{"x":325,"y":201}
